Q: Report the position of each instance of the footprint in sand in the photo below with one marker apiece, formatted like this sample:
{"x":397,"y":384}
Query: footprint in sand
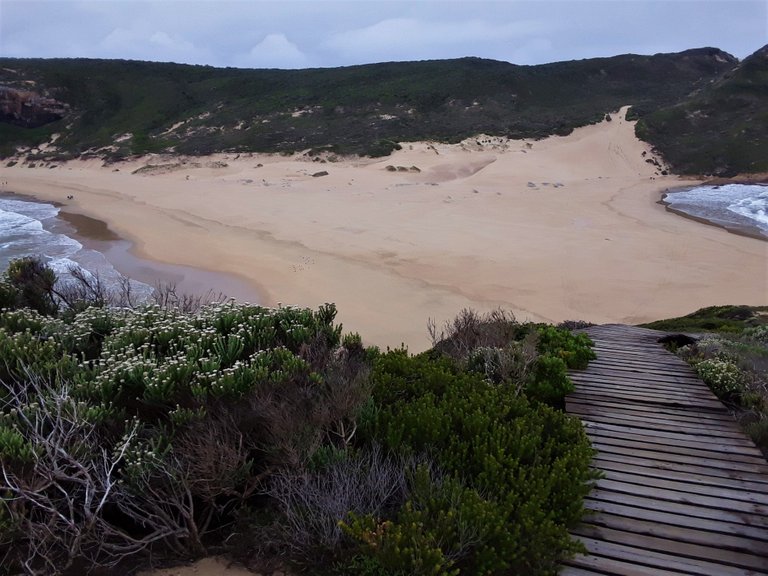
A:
{"x":305,"y":263}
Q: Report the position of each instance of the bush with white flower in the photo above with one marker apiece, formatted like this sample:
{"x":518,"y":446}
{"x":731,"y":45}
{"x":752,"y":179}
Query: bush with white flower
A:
{"x":723,"y":376}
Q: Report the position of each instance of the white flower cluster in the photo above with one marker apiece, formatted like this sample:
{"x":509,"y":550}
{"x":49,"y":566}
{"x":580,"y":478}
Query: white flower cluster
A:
{"x":723,"y":376}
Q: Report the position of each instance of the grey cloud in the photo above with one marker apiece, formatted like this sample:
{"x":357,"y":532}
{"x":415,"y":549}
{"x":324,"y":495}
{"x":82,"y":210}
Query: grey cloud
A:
{"x":410,"y":38}
{"x":334,"y":33}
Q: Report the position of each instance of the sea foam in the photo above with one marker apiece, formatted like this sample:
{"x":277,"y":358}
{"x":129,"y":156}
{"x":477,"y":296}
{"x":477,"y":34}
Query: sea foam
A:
{"x":27,"y":228}
{"x":742,"y":206}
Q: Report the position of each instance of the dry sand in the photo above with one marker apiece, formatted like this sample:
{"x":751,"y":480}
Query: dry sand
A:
{"x":561,"y":228}
{"x":204,"y":567}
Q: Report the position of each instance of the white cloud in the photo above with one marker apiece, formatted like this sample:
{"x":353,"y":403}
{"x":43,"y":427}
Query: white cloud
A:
{"x":532,"y":51}
{"x":274,"y":51}
{"x":174,"y":44}
{"x":409,"y":38}
{"x":144,"y":44}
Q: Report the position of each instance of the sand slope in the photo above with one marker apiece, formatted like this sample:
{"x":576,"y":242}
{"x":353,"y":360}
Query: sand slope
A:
{"x":562,"y":228}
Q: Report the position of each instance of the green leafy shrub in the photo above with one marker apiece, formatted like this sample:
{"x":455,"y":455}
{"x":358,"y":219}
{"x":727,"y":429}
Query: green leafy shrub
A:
{"x":518,"y":470}
{"x":757,"y":334}
{"x":550,"y":382}
{"x":405,"y":547}
{"x":758,"y":430}
{"x":207,"y":414}
{"x":220,"y":399}
{"x":525,"y":357}
{"x":735,"y":367}
{"x":363,"y":565}
{"x":34,"y":282}
{"x":574,"y":349}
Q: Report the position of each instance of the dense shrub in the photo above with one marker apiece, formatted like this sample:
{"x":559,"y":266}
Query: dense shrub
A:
{"x":529,"y":357}
{"x":513,"y":474}
{"x":165,"y":428}
{"x":33,"y":282}
{"x":213,"y":403}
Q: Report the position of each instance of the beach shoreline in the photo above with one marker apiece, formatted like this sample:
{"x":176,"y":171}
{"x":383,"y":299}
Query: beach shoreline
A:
{"x":555,"y":229}
{"x":95,"y":234}
{"x":742,"y":230}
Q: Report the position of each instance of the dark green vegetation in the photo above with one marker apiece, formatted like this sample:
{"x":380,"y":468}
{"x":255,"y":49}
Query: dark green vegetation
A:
{"x":271,"y":435}
{"x":727,"y":319}
{"x":361,"y":109}
{"x":720,"y":129}
{"x":733,"y":360}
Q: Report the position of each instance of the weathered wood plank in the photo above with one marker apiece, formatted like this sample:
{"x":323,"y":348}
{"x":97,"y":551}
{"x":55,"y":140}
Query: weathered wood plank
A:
{"x":711,"y":442}
{"x":681,"y":412}
{"x":685,"y":416}
{"x":689,"y":487}
{"x":683,"y":509}
{"x":618,"y":455}
{"x":645,"y":557}
{"x":678,"y":533}
{"x":664,"y":545}
{"x":677,"y":519}
{"x":682,"y":497}
{"x":672,"y":454}
{"x":634,"y":394}
{"x":617,"y":370}
{"x":690,"y":389}
{"x":604,"y":463}
{"x":582,"y":565}
{"x":658,"y":424}
{"x":719,"y":451}
{"x":616,"y":363}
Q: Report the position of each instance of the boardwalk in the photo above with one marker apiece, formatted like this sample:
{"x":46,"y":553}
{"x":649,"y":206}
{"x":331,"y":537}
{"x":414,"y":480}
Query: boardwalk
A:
{"x":684,"y":491}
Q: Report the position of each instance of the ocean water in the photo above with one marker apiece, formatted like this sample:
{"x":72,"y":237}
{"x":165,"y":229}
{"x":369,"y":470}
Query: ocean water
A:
{"x":733,"y":206}
{"x":33,"y":229}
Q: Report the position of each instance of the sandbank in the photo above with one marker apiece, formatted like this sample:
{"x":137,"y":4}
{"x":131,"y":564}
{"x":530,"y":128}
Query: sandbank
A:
{"x":561,"y":228}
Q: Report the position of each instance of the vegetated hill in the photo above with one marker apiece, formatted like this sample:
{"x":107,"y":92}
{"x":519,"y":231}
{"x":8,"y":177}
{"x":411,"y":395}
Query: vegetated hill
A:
{"x":358,"y":109}
{"x":727,"y":319}
{"x":722,"y":129}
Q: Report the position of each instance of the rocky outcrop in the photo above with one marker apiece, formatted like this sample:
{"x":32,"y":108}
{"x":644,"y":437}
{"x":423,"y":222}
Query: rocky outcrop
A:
{"x":29,"y":109}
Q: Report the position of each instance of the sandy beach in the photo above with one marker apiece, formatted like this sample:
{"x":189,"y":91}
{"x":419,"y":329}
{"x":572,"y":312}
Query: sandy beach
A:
{"x":562,"y":228}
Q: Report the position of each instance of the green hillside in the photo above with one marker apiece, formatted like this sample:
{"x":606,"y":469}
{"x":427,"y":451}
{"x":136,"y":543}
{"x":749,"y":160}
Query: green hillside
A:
{"x":359,"y":109}
{"x":722,"y":129}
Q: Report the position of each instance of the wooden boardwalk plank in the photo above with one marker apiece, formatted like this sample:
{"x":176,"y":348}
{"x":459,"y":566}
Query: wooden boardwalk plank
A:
{"x":665,"y":561}
{"x":662,"y":560}
{"x":683,"y":509}
{"x":632,"y":420}
{"x":583,"y":566}
{"x":713,"y":442}
{"x":689,"y":389}
{"x":719,"y":451}
{"x":682,"y":412}
{"x":657,"y":529}
{"x":676,"y":519}
{"x":683,"y":490}
{"x":709,"y":553}
{"x":606,"y":464}
{"x":617,"y":454}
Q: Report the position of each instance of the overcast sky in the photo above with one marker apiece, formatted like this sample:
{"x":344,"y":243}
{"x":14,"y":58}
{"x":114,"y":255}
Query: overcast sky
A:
{"x":322,"y":33}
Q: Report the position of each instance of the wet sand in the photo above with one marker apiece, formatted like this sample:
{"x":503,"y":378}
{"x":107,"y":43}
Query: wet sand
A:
{"x":97,"y":235}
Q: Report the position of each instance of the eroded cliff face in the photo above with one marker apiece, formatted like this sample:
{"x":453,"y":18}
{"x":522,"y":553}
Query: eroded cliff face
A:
{"x":29,"y":109}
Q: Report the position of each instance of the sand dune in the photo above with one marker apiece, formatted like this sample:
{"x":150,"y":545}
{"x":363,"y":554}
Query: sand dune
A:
{"x":566,"y":227}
